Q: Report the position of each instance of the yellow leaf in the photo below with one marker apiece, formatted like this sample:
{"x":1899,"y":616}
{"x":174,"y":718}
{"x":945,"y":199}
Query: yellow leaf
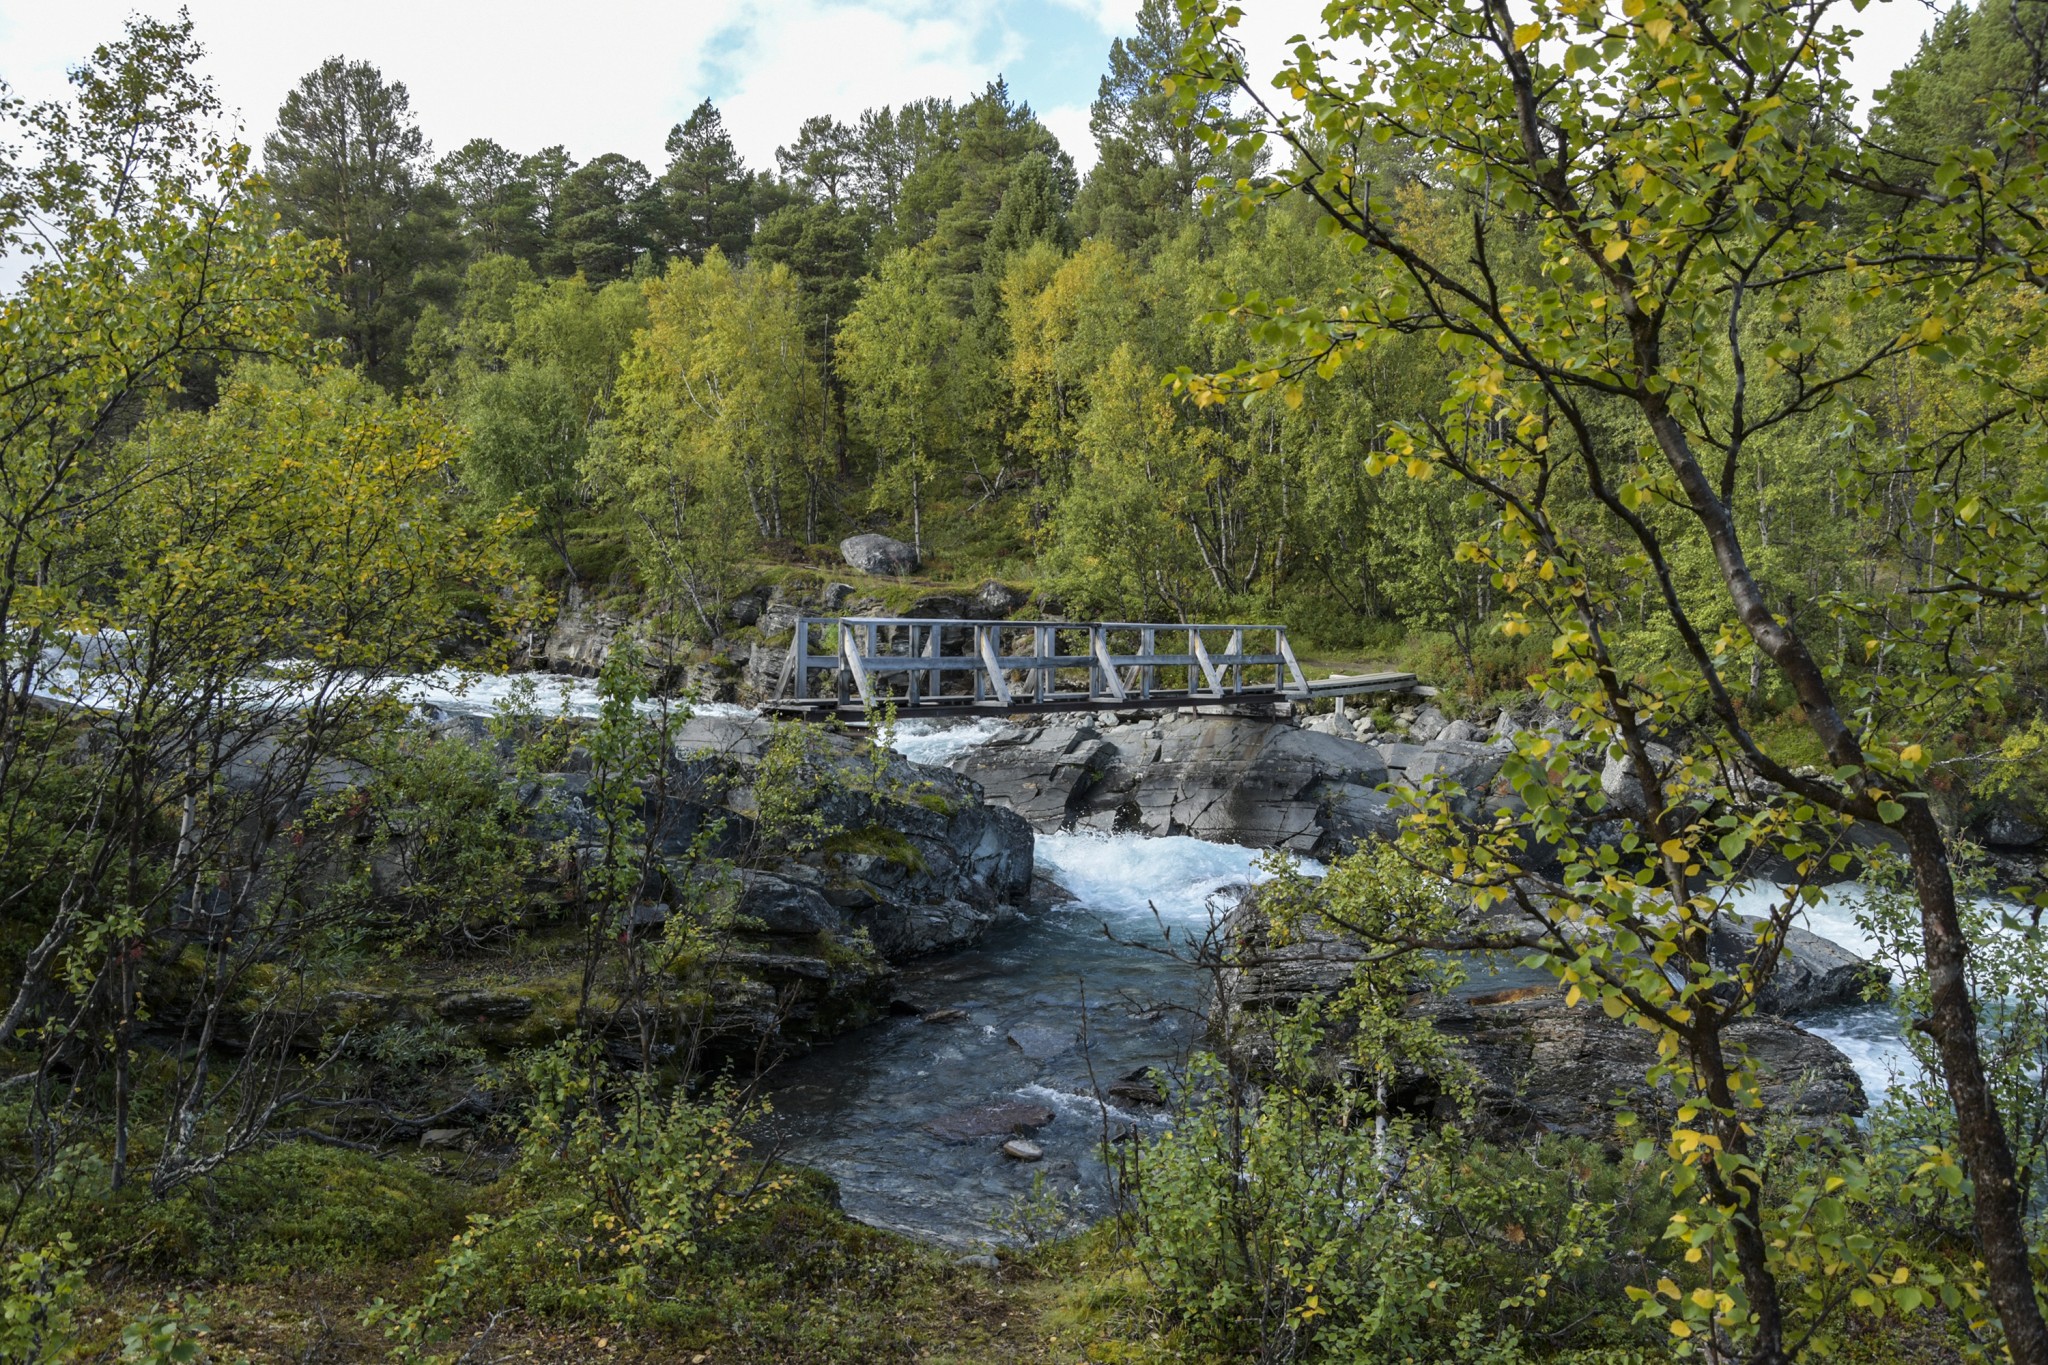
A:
{"x":1659,"y":29}
{"x":1668,"y":1288}
{"x":1571,"y":997}
{"x":1527,"y":34}
{"x":1616,"y":249}
{"x":1680,"y":1328}
{"x":1672,"y":848}
{"x":1932,"y":328}
{"x":1912,"y":753}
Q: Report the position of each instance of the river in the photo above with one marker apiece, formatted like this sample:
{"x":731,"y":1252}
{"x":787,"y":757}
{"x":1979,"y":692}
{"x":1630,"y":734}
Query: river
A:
{"x":1050,"y":1012}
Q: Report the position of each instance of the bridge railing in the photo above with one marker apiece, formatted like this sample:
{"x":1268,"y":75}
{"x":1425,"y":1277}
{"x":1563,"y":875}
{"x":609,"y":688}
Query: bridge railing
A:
{"x":1006,"y":663}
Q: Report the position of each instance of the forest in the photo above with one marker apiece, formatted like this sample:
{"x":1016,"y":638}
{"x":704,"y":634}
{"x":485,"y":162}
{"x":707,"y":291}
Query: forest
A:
{"x":376,"y":989}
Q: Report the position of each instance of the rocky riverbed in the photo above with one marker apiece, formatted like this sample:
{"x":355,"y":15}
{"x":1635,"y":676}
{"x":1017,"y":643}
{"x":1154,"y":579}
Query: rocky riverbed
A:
{"x":1014,"y":887}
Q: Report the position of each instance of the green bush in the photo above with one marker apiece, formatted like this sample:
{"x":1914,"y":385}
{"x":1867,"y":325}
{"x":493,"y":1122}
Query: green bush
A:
{"x":1295,"y":1230}
{"x":302,"y":1206}
{"x":613,"y":1189}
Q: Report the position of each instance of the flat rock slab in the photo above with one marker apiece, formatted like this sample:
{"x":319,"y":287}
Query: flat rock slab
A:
{"x":1008,"y":1119}
{"x":1041,"y":1044}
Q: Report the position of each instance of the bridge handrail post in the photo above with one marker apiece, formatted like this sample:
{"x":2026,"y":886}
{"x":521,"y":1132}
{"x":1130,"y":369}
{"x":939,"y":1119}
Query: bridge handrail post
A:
{"x":1112,"y":685}
{"x":992,"y":663}
{"x":1201,"y":653}
{"x":849,"y":651}
{"x":798,"y":656}
{"x":1286,"y":651}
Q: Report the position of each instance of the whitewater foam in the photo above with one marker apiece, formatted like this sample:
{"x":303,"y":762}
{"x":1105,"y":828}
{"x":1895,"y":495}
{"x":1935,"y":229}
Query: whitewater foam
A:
{"x":937,"y":741}
{"x":1121,"y":877}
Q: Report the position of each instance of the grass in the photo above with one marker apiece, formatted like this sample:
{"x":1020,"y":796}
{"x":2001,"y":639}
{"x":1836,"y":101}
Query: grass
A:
{"x":799,"y":1284}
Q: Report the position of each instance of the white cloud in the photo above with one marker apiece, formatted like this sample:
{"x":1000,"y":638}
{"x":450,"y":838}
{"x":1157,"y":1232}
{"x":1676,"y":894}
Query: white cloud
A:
{"x":1111,"y":16}
{"x":613,"y":75}
{"x":599,"y":76}
{"x":785,"y":60}
{"x":1069,"y":123}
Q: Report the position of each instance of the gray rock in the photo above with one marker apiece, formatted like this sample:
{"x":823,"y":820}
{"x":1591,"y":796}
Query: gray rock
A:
{"x":1469,"y":764}
{"x":1355,"y":815}
{"x":979,"y":1260}
{"x":1461,"y":731}
{"x":1042,"y":1044}
{"x":1427,"y":724}
{"x":746,"y":609}
{"x":1544,"y":1067}
{"x":1541,"y":1066}
{"x":1040,"y":772}
{"x":1234,"y":779}
{"x":2005,"y":824}
{"x":1143,"y":1086}
{"x":1022,"y":1149}
{"x":878,"y":555}
{"x":582,"y":635}
{"x":1399,"y":757}
{"x":995,"y":601}
{"x":1009,"y":1118}
{"x":443,"y":1139}
{"x":782,"y":906}
{"x":1624,"y":791}
{"x":1812,"y":972}
{"x":778,"y":967}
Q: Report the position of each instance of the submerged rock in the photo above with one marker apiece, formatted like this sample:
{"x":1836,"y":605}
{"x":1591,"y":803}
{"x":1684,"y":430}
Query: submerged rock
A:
{"x":1007,"y":1119}
{"x":1040,"y":1043}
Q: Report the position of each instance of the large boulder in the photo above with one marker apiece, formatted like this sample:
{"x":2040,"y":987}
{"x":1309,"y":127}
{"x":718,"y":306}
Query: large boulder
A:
{"x":1538,"y":1064}
{"x":1812,"y":973}
{"x":919,"y":859}
{"x":1543,"y":1066}
{"x":1225,"y":778}
{"x":2006,"y":824}
{"x":878,"y":555}
{"x":1042,"y":772}
{"x":1621,"y":786}
{"x":995,"y":601}
{"x":1469,"y":763}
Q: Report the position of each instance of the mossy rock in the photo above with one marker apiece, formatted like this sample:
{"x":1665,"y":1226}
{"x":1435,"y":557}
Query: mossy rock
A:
{"x":879,"y":841}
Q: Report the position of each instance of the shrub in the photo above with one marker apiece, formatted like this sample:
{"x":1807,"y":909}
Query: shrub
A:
{"x":1294,"y":1230}
{"x":613,"y":1189}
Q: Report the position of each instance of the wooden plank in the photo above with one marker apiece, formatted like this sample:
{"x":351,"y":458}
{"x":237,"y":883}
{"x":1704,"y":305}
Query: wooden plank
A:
{"x":1111,"y":683}
{"x":1293,"y":665}
{"x":1201,"y":653}
{"x":997,"y":684}
{"x":850,"y":651}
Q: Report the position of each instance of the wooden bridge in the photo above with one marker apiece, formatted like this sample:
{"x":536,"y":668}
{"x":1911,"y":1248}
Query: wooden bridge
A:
{"x":851,"y":665}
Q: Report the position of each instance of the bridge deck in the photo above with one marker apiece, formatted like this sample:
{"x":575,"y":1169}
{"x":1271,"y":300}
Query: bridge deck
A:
{"x":847,"y":666}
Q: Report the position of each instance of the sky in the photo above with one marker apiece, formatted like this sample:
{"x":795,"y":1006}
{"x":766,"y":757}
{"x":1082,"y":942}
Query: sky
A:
{"x":614,"y":75}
